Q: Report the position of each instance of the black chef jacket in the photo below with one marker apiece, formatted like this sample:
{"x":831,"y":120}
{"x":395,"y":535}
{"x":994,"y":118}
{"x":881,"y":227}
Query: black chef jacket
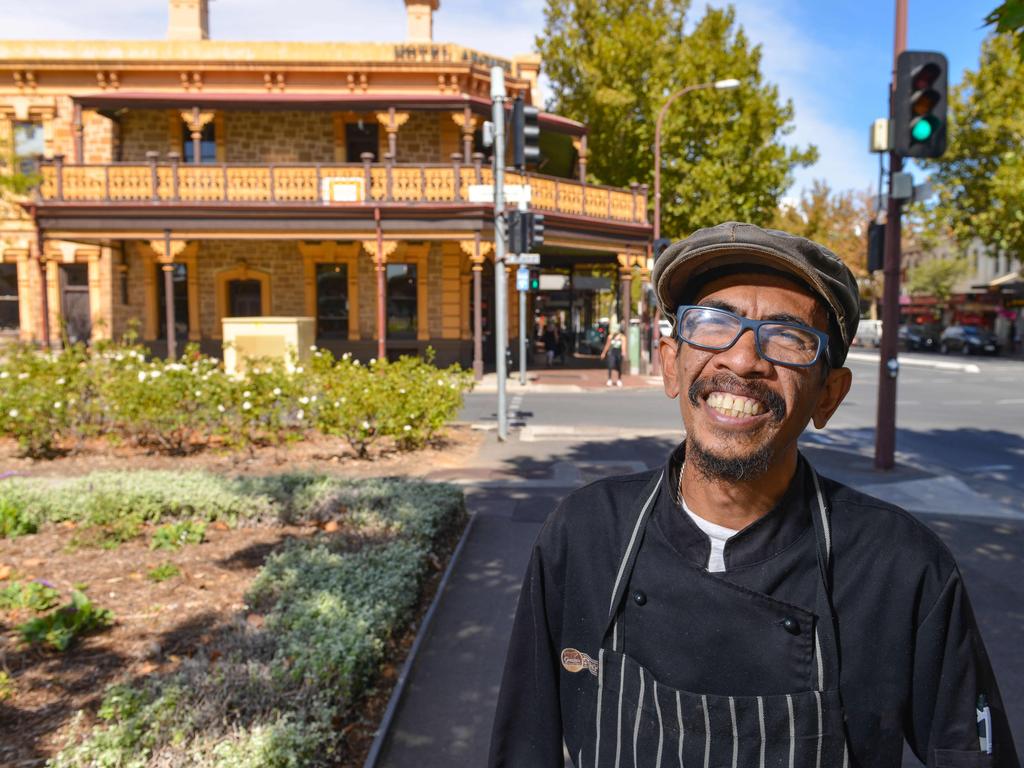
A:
{"x":911,"y":658}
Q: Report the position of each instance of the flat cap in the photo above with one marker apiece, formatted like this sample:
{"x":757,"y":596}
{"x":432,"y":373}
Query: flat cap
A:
{"x":738,"y":245}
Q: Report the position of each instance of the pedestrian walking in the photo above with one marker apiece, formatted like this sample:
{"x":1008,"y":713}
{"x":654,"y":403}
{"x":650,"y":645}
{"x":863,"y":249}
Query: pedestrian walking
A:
{"x":551,"y":341}
{"x":733,"y":607}
{"x":614,"y":350}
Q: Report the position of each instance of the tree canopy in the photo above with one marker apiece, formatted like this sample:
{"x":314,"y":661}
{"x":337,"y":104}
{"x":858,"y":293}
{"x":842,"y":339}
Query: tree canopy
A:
{"x":936,"y":277}
{"x":1008,"y":18}
{"x":613,"y":63}
{"x":980,"y":179}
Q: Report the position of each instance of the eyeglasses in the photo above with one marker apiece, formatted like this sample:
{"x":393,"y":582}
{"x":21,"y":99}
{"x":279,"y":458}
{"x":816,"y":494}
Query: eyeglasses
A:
{"x":777,"y":341}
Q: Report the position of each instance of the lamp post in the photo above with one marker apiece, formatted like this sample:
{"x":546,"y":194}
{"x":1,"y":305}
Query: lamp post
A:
{"x":718,"y":85}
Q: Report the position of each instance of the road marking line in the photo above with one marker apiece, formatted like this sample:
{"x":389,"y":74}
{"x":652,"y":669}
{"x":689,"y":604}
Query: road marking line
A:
{"x":1011,"y":401}
{"x":937,"y":364}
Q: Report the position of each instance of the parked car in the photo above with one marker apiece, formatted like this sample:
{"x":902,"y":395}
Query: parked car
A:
{"x":968,"y":339}
{"x":869,"y":333}
{"x":919,"y":337}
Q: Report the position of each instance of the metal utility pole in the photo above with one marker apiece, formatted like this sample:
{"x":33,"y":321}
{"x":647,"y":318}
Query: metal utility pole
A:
{"x":500,"y":279}
{"x":888,"y":364}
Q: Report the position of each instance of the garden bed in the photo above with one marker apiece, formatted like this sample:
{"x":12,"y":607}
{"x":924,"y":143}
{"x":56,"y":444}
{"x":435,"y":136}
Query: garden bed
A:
{"x":273,"y":642}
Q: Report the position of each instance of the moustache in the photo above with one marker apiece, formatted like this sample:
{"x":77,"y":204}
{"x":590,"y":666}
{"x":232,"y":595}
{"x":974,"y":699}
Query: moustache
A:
{"x":753,"y":388}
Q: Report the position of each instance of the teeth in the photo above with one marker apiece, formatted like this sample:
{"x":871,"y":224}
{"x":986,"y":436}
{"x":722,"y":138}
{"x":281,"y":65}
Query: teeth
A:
{"x":733,"y":405}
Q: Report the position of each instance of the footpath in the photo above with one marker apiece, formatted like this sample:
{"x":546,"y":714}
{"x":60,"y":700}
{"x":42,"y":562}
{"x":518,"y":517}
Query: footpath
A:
{"x":442,"y":716}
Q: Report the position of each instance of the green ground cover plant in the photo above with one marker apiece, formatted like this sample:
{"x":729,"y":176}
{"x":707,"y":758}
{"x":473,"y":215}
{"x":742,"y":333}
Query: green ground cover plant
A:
{"x":53,"y":402}
{"x":30,"y":595}
{"x":60,"y":628}
{"x":177,"y":535}
{"x":274,"y":693}
{"x":163,"y":572}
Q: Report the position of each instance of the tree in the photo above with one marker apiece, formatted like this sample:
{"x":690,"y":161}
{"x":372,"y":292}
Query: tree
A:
{"x":936,"y":277}
{"x":980,"y":179}
{"x":613,"y":63}
{"x":1008,"y":18}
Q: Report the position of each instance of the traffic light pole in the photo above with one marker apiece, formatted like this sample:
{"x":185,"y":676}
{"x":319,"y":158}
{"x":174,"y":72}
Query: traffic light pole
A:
{"x":522,"y":322}
{"x":888,"y":364}
{"x":500,"y":279}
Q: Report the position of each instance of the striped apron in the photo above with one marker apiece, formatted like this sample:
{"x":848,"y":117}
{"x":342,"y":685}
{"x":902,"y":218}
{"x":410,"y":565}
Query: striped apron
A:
{"x":640,"y":723}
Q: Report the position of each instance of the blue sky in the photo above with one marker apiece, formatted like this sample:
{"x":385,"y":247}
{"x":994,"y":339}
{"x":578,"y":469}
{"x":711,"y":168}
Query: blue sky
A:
{"x":831,"y":57}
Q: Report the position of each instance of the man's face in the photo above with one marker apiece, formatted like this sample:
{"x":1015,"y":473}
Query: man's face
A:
{"x":743,"y":414}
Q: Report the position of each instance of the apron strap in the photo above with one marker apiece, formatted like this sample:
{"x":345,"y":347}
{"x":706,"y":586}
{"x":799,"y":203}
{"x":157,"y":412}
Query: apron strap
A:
{"x":826,"y":645}
{"x":650,"y":492}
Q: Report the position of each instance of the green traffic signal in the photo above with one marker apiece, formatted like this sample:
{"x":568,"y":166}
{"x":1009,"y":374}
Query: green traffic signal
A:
{"x":922,"y":130}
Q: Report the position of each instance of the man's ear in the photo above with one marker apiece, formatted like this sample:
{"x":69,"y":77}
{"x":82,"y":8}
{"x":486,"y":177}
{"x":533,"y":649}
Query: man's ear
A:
{"x":834,"y":390}
{"x":668,"y":349}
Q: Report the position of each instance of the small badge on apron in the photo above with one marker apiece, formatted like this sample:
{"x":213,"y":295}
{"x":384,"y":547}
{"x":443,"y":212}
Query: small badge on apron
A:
{"x":577,"y":661}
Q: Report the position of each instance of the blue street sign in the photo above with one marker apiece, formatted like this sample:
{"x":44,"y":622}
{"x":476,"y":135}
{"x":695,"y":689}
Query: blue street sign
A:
{"x":522,"y":279}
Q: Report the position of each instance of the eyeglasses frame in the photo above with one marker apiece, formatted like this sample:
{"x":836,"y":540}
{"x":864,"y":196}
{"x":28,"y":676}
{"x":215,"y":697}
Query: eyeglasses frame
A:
{"x":754,"y":326}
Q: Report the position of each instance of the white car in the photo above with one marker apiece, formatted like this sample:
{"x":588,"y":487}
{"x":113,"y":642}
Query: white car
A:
{"x":869,"y":333}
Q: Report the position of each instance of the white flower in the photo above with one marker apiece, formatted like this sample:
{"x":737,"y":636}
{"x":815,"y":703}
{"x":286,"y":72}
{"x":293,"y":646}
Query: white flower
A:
{"x":57,"y":405}
{"x":13,"y":413}
{"x":346,"y":356}
{"x":60,"y":380}
{"x":407,"y":428}
{"x":119,"y":357}
{"x":23,"y":376}
{"x":142,"y":375}
{"x":198,"y":393}
{"x":247,"y":393}
{"x":312,"y":347}
{"x":300,"y":369}
{"x":4,"y":374}
{"x":304,"y":400}
{"x":246,"y":405}
{"x":336,"y":404}
{"x":440,"y":382}
{"x":154,"y":374}
{"x":366,"y":425}
{"x":220,"y":408}
{"x":355,"y":362}
{"x":401,"y":391}
{"x":300,"y":414}
{"x":313,"y":399}
{"x":343,"y":399}
{"x":277,"y":390}
{"x":373,"y":360}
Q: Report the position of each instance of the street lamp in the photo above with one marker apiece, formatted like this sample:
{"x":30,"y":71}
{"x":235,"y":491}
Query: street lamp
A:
{"x":718,"y":85}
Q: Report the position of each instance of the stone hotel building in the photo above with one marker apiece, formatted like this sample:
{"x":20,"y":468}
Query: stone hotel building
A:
{"x":288,"y":179}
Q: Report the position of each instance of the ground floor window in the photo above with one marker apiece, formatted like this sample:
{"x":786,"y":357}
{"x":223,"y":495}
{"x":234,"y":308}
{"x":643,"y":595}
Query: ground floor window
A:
{"x":179,"y":277}
{"x":402,"y":304}
{"x":10,"y":317}
{"x":76,"y":315}
{"x":245,"y":298}
{"x":332,"y":301}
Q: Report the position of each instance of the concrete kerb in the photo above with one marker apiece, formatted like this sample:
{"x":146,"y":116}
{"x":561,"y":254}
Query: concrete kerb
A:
{"x":396,"y":694}
{"x":942,"y":365}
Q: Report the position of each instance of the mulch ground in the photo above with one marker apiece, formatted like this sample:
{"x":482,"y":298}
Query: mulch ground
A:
{"x":159,"y":624}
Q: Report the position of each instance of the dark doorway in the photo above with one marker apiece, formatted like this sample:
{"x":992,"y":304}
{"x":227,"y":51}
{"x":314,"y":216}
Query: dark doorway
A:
{"x":402,"y":303}
{"x":74,"y":304}
{"x":245,"y":298}
{"x":332,"y":301}
{"x":10,"y":317}
{"x":360,"y":137}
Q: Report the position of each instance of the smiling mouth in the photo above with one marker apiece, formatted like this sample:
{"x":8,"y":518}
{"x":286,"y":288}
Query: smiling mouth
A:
{"x":734,"y":406}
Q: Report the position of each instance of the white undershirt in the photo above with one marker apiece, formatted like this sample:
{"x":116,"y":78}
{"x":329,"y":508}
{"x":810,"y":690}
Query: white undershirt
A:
{"x":718,"y":534}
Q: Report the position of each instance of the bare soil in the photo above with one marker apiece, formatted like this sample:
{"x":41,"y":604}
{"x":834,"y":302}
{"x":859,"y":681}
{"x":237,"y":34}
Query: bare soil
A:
{"x":159,"y":624}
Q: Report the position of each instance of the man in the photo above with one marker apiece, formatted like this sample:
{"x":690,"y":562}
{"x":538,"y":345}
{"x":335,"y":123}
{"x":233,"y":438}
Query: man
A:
{"x":734,"y":608}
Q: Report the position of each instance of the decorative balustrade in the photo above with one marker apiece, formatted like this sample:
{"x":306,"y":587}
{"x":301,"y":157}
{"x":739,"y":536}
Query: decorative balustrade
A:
{"x":364,"y":183}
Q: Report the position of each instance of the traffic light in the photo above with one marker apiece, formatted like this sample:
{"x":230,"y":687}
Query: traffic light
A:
{"x":876,"y":246}
{"x":534,"y":230}
{"x":534,"y":279}
{"x":525,"y":134}
{"x":516,"y":232}
{"x":919,"y":104}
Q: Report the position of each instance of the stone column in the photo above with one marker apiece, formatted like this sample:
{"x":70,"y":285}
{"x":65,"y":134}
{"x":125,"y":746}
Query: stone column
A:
{"x":391,"y":122}
{"x":380,"y":251}
{"x":467,"y":126}
{"x":477,"y":250}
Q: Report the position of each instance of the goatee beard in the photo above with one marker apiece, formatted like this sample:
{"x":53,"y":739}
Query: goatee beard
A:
{"x":711,"y":466}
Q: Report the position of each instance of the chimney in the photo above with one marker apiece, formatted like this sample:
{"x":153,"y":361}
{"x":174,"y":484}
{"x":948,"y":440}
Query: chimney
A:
{"x":189,"y":20}
{"x":420,"y":17}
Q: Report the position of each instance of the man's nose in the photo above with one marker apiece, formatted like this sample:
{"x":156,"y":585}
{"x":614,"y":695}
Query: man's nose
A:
{"x":742,"y":358}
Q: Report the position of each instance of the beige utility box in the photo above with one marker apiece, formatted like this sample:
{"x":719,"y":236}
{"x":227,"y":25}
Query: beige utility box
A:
{"x":284,"y":338}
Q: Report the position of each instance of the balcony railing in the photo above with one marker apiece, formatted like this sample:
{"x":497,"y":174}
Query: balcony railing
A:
{"x":365,"y":183}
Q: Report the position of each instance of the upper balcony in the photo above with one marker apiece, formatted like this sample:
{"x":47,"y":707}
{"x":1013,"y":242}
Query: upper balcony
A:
{"x":167,"y":185}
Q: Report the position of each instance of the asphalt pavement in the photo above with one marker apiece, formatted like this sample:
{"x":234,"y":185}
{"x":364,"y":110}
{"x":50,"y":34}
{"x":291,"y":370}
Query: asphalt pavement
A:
{"x":960,"y":468}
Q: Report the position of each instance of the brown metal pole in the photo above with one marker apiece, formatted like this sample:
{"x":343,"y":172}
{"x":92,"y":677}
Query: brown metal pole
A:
{"x":888,"y":364}
{"x":382,"y":317}
{"x":168,"y":269}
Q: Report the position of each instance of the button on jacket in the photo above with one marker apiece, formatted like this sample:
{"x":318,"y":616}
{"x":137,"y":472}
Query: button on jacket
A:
{"x":911,"y":664}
